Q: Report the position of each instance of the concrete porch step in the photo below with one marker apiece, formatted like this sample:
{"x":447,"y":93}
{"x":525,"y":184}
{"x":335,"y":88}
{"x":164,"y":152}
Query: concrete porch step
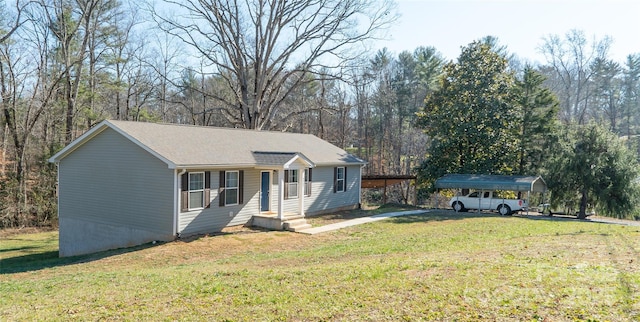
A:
{"x":295,"y":224}
{"x":292,"y":217}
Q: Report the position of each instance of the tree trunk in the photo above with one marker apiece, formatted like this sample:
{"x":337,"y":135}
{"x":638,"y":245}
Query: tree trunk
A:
{"x":68,"y":134}
{"x":582,"y":214}
{"x":4,"y":151}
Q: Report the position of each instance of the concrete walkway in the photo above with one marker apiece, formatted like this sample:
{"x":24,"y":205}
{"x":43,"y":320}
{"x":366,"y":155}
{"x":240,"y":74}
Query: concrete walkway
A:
{"x":359,"y":221}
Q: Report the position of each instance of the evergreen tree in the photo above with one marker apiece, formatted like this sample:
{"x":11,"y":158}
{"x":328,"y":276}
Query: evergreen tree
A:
{"x":593,"y":166}
{"x":470,"y":118}
{"x":538,"y":121}
{"x":607,"y":87}
{"x":630,"y":95}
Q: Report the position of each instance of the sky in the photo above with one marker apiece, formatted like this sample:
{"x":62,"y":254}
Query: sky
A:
{"x":521,"y":25}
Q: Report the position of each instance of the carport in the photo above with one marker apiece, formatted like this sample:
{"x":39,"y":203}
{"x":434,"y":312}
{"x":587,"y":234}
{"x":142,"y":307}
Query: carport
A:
{"x":486,"y":182}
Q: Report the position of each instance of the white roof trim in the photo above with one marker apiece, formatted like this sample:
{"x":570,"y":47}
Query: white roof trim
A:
{"x":97,"y":130}
{"x":303,"y":159}
{"x":77,"y":142}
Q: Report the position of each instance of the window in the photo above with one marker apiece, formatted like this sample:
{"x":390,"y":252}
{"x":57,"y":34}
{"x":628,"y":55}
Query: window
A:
{"x":340,"y":173}
{"x":291,"y":182}
{"x":307,"y":182}
{"x":231,"y":187}
{"x":195,"y":189}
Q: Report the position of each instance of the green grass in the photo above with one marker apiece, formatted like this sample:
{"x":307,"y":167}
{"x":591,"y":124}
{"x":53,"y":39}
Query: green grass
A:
{"x":437,"y":266}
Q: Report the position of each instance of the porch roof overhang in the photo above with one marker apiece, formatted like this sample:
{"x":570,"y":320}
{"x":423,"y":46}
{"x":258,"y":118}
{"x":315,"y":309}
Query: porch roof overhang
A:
{"x":281,"y":160}
{"x":492,"y":182}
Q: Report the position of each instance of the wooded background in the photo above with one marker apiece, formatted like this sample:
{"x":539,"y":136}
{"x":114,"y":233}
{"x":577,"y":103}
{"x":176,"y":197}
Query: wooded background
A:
{"x":299,"y":66}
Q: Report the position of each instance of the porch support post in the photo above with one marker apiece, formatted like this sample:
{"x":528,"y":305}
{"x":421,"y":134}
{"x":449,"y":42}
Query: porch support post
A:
{"x":280,"y":193}
{"x":301,"y":184}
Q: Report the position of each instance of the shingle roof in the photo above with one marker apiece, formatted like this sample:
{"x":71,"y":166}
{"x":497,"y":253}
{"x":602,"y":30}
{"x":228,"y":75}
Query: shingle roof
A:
{"x":188,"y":146}
{"x":272,"y":158}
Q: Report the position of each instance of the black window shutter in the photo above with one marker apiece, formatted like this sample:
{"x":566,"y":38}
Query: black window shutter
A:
{"x":335,"y":179}
{"x":221,"y":189}
{"x":309,"y":179}
{"x":184,"y":194}
{"x":241,"y":186}
{"x":345,"y":179}
{"x":207,"y":189}
{"x":286,"y":184}
{"x":185,"y":181}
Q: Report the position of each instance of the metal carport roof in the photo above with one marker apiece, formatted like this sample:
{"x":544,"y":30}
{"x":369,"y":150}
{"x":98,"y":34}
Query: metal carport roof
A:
{"x":491,"y":182}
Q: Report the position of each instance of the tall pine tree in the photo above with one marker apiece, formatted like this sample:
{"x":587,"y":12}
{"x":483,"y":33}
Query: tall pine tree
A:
{"x":538,"y":121}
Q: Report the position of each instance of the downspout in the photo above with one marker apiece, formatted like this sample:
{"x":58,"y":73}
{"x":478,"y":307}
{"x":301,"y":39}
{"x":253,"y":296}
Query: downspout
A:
{"x":360,"y":188}
{"x":58,"y":190}
{"x":176,"y":199}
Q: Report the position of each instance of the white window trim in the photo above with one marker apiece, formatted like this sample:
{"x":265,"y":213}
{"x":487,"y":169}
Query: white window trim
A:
{"x":344,"y":181}
{"x":237,"y":188}
{"x":200,"y":190}
{"x":293,"y":183}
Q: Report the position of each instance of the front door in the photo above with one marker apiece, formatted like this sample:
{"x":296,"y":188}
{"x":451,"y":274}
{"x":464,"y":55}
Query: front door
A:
{"x":265,"y":186}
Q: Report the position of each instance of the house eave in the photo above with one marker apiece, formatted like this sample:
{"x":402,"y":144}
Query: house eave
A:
{"x":259,"y":166}
{"x":78,"y":143}
{"x":333,"y":164}
{"x":214,"y":166}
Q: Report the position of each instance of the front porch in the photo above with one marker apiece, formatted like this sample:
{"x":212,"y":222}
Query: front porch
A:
{"x":290,"y":222}
{"x":292,"y":183}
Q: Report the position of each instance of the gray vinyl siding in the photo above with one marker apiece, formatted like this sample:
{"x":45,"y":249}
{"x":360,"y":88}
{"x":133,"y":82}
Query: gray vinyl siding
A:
{"x":110,"y":180}
{"x":215,"y":217}
{"x":322,"y":196}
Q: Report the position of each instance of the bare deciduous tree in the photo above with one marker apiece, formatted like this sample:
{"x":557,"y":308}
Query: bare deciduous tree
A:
{"x":71,"y":23}
{"x":11,"y":26}
{"x":264,"y":48}
{"x":27,"y":87}
{"x":569,"y":61}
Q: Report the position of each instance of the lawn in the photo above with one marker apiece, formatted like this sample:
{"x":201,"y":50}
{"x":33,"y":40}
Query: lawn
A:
{"x":436,"y":266}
